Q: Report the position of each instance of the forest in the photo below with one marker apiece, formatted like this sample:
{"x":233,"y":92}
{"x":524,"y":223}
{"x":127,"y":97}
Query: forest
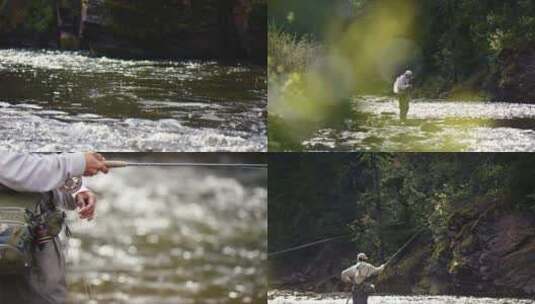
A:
{"x":200,"y":29}
{"x":473,"y":216}
{"x":460,"y":43}
{"x":326,"y":58}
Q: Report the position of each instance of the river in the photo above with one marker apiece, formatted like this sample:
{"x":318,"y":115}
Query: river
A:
{"x":432,"y":125}
{"x":309,"y":298}
{"x":171,"y":235}
{"x":67,"y":101}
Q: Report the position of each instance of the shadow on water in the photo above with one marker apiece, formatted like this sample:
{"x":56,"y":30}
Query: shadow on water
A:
{"x":432,"y":125}
{"x":191,"y":103}
{"x":172,"y":235}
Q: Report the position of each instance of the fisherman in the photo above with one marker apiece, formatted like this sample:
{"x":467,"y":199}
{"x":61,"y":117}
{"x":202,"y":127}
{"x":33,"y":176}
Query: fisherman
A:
{"x":32,"y":261}
{"x":359,"y":275}
{"x":402,"y":87}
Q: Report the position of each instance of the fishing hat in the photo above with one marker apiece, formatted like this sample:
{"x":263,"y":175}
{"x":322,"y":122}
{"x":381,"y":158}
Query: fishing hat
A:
{"x":361,"y":256}
{"x":408,"y":72}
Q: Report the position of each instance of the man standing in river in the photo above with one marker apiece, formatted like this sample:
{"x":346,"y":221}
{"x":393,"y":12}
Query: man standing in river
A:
{"x":32,"y":200}
{"x":358,"y":275}
{"x":402,"y":87}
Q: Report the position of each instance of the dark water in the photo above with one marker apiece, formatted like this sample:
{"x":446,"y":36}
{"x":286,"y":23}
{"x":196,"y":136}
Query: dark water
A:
{"x":432,"y":125}
{"x":300,"y":298}
{"x":51,"y":100}
{"x":172,"y":236}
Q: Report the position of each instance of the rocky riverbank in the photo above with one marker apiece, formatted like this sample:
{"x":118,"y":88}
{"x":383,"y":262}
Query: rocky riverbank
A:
{"x":489,"y":251}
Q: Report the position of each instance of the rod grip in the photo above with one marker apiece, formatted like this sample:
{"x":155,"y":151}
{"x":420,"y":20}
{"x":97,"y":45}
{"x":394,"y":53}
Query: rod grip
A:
{"x":115,"y":163}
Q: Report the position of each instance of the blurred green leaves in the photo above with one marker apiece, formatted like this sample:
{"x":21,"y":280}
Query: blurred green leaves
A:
{"x":324,"y":55}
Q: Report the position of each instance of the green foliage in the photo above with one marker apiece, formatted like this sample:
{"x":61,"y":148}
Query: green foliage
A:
{"x":459,"y":42}
{"x":383,"y":199}
{"x":462,"y":37}
{"x":289,"y":53}
{"x":155,"y":20}
{"x":31,"y":16}
{"x":40,"y":16}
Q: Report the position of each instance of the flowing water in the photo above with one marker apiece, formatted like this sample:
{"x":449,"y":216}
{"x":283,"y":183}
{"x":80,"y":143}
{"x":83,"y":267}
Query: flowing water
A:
{"x":432,"y":125}
{"x":297,"y":298}
{"x":67,"y":101}
{"x":168,"y":235}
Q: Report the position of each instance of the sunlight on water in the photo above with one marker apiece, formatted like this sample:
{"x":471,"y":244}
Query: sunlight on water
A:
{"x":172,"y":236}
{"x":439,"y":109}
{"x":30,"y":128}
{"x":432,"y":125}
{"x":296,"y":298}
{"x":105,"y":104}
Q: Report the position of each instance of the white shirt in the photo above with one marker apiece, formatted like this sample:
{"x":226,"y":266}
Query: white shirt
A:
{"x":26,"y":172}
{"x":402,"y":83}
{"x":360,"y":272}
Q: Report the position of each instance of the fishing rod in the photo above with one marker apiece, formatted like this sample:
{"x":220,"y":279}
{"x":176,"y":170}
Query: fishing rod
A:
{"x":123,"y":164}
{"x":397,"y":253}
{"x":73,"y":184}
{"x":400,"y":250}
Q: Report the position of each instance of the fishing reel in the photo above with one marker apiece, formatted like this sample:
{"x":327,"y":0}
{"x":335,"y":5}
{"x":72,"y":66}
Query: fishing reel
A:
{"x":72,"y":185}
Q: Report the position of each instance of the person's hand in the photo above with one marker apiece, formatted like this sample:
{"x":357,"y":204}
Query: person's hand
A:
{"x":86,"y":202}
{"x":94,"y":163}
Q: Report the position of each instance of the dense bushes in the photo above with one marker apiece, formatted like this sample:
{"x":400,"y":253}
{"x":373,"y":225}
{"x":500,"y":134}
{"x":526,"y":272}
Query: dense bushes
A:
{"x":458,"y":42}
{"x":382,"y":199}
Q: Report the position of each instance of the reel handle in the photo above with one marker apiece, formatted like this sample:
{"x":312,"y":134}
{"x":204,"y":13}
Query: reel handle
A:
{"x":115,"y":163}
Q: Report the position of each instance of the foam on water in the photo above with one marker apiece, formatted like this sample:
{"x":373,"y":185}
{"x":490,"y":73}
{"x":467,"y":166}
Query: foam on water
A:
{"x":54,"y":131}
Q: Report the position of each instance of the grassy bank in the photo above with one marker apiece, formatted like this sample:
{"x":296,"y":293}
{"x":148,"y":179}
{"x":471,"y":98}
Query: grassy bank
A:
{"x":308,"y":88}
{"x":289,"y":53}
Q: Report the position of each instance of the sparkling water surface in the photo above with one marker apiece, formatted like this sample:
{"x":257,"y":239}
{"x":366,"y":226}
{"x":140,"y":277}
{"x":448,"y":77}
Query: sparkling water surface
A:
{"x":68,"y":101}
{"x":432,"y":125}
{"x":167,"y":235}
{"x":298,"y":298}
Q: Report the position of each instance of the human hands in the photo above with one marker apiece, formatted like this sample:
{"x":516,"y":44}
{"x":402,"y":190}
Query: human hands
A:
{"x":94,"y":163}
{"x":86,"y":203}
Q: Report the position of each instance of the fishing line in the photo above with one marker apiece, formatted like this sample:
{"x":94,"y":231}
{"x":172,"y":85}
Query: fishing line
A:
{"x":308,"y":245}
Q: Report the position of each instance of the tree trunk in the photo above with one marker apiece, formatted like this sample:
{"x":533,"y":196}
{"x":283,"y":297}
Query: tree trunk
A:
{"x":378,"y":207}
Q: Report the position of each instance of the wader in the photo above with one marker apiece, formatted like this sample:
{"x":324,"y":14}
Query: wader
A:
{"x":42,"y":279}
{"x":404,"y":99}
{"x":361,"y":292}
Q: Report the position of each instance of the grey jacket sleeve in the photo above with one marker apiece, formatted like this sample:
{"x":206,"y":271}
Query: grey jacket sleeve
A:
{"x":38,"y":173}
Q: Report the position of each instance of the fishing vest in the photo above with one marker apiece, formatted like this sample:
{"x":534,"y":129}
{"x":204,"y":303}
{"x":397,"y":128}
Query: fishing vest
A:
{"x":27,"y":222}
